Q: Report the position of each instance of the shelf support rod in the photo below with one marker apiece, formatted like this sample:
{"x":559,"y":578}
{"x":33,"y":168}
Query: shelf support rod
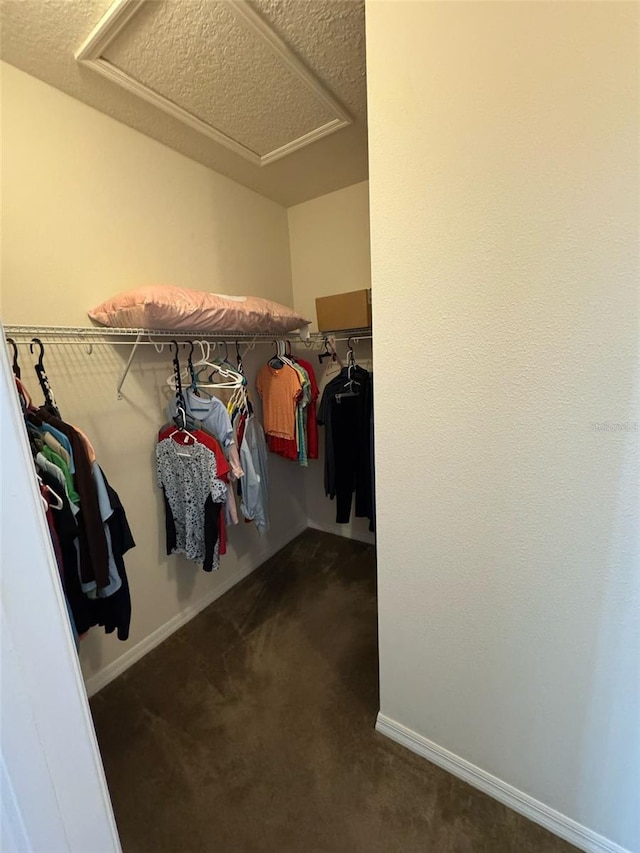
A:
{"x":127,"y":366}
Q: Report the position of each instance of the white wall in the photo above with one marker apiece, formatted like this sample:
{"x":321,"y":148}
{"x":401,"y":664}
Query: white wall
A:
{"x":330,"y":253}
{"x":54,"y":793}
{"x":89,"y":208}
{"x":504,"y":228}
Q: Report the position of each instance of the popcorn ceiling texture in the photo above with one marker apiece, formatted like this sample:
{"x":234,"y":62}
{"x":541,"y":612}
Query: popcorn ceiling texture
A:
{"x":329,"y":37}
{"x":41,"y":38}
{"x":196,"y":55}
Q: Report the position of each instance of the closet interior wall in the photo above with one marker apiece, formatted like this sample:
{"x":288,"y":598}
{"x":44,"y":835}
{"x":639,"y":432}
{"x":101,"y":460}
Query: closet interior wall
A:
{"x":329,"y":240}
{"x":93,"y":207}
{"x":504,"y":231}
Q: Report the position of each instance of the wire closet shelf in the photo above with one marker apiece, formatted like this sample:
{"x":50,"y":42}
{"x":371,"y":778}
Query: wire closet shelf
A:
{"x":107,"y":336}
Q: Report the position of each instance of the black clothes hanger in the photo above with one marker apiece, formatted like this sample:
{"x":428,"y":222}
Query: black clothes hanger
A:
{"x":14,"y":365}
{"x":43,"y":379}
{"x":327,"y":352}
{"x":239,"y":358}
{"x":241,"y":371}
{"x":192,"y":371}
{"x":287,"y":351}
{"x":178,"y":381}
{"x":226,"y":355}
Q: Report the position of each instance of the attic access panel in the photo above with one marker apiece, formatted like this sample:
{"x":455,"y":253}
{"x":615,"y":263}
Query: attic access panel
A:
{"x":217,"y":67}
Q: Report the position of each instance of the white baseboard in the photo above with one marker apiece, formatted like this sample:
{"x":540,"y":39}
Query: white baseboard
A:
{"x":343,"y":530}
{"x":561,"y":825}
{"x":246,"y":566}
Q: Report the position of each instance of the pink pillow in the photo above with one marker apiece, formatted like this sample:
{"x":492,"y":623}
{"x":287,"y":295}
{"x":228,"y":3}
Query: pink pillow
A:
{"x":167,"y":307}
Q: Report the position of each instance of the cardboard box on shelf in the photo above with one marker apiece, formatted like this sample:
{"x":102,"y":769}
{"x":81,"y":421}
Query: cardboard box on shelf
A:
{"x":344,"y":311}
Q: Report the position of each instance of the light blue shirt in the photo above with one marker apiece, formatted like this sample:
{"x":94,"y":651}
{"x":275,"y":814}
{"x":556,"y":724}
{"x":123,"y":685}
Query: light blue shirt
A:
{"x":210,"y":411}
{"x":255,"y":484}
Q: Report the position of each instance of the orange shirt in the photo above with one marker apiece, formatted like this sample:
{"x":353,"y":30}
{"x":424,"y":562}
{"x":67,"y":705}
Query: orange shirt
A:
{"x":279,"y":390}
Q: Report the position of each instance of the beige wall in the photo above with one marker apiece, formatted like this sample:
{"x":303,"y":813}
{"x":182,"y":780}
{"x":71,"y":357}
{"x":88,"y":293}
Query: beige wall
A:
{"x":504,"y":231}
{"x":330,"y":250}
{"x":329,"y":239}
{"x":91,"y":207}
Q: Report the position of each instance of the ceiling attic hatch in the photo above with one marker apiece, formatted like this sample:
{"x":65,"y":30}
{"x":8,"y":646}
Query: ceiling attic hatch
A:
{"x":220,"y":69}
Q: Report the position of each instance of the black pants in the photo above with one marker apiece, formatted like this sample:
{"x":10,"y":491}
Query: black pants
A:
{"x":351,"y":433}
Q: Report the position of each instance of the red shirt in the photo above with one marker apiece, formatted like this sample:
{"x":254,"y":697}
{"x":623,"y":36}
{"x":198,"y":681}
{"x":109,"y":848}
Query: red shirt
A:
{"x":312,"y":422}
{"x":222,"y":466}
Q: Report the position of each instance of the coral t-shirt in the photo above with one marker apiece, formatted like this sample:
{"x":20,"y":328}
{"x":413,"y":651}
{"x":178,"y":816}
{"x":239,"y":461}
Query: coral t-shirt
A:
{"x":288,"y":449}
{"x":279,"y":389}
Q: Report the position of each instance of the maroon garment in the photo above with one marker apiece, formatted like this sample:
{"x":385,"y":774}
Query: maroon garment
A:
{"x":312,"y":421}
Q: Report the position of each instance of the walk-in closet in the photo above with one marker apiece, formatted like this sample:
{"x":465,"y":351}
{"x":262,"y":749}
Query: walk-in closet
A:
{"x":319,"y":421}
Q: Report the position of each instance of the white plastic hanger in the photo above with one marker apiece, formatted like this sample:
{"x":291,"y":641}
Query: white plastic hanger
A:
{"x":235,"y":379}
{"x":56,"y":503}
{"x":183,"y":431}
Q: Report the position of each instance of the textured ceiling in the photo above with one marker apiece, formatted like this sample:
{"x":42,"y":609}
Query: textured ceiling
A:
{"x":199,"y":56}
{"x":262,"y":103}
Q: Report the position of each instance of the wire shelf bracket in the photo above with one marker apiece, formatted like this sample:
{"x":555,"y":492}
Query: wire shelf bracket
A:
{"x":127,"y":366}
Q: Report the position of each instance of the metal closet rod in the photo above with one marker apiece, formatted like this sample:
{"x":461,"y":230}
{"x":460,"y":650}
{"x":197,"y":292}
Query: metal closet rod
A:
{"x":95,"y":336}
{"x":24,"y":334}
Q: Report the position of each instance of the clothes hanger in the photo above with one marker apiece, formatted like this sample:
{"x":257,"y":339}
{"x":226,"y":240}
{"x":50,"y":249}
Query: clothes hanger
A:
{"x":225,"y":360}
{"x":243,"y":404}
{"x":329,"y":352}
{"x":192,"y":373}
{"x":326,"y":353}
{"x":200,"y":365}
{"x":185,"y":373}
{"x":178,"y":380}
{"x":275,"y":361}
{"x":43,"y":379}
{"x":236,"y":379}
{"x":57,"y":500}
{"x":14,"y":365}
{"x":228,"y":371}
{"x":282,"y":353}
{"x":49,"y":504}
{"x":352,"y":385}
{"x":183,"y":429}
{"x":288,"y":353}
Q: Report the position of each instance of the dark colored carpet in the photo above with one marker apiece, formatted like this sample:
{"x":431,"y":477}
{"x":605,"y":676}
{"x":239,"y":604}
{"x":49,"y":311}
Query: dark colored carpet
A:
{"x":252,"y":729}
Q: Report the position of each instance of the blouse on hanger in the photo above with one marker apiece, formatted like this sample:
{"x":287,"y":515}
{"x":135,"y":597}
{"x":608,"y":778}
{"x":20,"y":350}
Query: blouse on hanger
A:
{"x":209,"y":411}
{"x":188,"y":476}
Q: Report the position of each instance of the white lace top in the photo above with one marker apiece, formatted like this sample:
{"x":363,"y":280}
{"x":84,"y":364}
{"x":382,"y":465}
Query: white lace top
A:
{"x":188,"y":474}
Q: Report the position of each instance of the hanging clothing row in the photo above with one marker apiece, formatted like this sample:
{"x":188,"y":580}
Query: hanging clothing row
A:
{"x":211,"y":465}
{"x":289,"y":391}
{"x":86,"y":520}
{"x":346,"y":412}
{"x":198,"y":461}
